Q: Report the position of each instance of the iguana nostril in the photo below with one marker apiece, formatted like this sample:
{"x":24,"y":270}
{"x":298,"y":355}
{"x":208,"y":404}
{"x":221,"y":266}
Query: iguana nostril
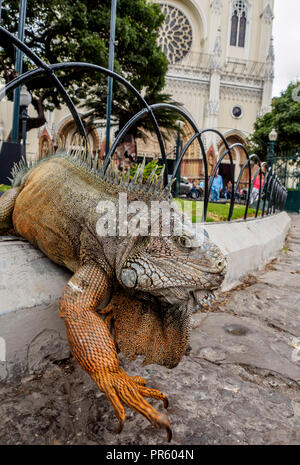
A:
{"x":128,"y":277}
{"x":221,"y":265}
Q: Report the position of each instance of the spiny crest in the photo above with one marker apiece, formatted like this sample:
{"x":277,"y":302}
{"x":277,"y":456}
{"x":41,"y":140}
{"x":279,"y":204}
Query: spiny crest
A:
{"x":113,"y":180}
{"x":19,"y":169}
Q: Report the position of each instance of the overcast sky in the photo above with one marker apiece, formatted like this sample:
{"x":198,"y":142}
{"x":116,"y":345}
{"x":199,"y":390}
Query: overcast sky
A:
{"x":286,"y":32}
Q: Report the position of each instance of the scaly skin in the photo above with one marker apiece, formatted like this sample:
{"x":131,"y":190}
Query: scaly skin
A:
{"x":94,"y":349}
{"x":154,"y":280}
{"x":7,"y":205}
{"x":160,"y":332}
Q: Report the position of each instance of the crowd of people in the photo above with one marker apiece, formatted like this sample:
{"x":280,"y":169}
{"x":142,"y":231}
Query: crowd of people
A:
{"x":218,"y":189}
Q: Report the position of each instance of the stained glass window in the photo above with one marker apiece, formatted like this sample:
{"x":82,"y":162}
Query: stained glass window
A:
{"x":234,"y":28}
{"x":242,"y":32}
{"x":175,"y":36}
{"x":239,"y":23}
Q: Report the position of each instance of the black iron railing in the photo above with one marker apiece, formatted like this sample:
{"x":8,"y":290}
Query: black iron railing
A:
{"x":272,"y":195}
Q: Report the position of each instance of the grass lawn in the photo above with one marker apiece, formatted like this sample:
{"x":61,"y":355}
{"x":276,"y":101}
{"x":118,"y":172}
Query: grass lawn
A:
{"x":215,"y":212}
{"x":4,"y":188}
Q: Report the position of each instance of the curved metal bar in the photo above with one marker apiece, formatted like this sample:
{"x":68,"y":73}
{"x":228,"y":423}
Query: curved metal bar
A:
{"x":227,"y":151}
{"x":266,"y":187}
{"x":183,"y":152}
{"x":258,"y":171}
{"x":246,"y":163}
{"x":154,"y":108}
{"x":197,"y":135}
{"x":274,"y":196}
{"x":200,"y":133}
{"x":47,"y":69}
{"x":270,"y":205}
{"x":195,"y":128}
{"x":277,"y":192}
{"x":261,"y":188}
{"x":122,"y":133}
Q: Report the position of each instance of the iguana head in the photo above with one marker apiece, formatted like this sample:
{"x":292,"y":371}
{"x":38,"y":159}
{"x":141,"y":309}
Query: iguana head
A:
{"x":175,"y":264}
{"x":173,"y":268}
{"x":163,"y":256}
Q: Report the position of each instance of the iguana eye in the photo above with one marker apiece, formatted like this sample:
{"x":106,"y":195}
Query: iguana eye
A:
{"x":184,"y":241}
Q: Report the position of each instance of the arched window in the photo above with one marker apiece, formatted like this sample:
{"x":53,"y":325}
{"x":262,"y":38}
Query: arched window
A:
{"x":242,"y":31}
{"x":234,"y":28}
{"x":238,"y":23}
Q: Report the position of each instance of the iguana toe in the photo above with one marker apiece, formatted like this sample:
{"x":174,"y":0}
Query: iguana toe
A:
{"x":131,"y":390}
{"x":138,"y":380}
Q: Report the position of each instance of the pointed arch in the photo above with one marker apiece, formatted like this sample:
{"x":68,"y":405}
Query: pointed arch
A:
{"x":242,"y":31}
{"x":239,"y":19}
{"x":234,"y":28}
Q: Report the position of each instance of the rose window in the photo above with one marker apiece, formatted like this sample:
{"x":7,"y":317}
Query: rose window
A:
{"x":175,"y":36}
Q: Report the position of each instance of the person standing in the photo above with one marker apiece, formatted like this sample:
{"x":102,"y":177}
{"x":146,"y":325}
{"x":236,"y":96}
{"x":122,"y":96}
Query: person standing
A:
{"x":255,"y":191}
{"x":217,"y":186}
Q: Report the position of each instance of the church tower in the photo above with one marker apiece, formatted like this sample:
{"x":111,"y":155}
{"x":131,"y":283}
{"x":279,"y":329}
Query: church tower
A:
{"x":221,"y":68}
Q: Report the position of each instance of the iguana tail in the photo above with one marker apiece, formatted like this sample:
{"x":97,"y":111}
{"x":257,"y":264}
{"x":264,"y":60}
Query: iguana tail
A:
{"x":7,"y":203}
{"x":8,"y":199}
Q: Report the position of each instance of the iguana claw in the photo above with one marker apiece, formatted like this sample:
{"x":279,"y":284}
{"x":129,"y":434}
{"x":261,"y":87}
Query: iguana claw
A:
{"x":131,"y":390}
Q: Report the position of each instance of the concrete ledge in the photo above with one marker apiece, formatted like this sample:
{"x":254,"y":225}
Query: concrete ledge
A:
{"x":31,"y":332}
{"x":249,"y":245}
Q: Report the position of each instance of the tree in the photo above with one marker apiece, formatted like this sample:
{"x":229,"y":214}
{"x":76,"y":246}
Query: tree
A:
{"x":78,"y":30}
{"x":285,"y":118}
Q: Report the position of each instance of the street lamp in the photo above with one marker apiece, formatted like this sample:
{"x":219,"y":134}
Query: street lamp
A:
{"x":272,"y":138}
{"x":25,"y":101}
{"x":180,"y":125}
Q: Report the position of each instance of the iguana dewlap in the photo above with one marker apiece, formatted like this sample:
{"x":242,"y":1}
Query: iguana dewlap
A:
{"x":155,"y":280}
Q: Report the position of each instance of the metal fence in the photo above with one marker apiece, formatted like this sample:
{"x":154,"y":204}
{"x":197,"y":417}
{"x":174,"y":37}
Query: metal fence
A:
{"x":271,"y":195}
{"x":287,"y":167}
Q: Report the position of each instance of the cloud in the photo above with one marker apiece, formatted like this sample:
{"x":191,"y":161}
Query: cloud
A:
{"x":286,"y":32}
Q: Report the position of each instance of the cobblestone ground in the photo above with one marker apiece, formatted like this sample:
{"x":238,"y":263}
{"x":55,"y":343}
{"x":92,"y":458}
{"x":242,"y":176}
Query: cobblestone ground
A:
{"x":240,"y":383}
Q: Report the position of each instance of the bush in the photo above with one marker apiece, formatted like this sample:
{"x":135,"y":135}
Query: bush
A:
{"x":4,"y":188}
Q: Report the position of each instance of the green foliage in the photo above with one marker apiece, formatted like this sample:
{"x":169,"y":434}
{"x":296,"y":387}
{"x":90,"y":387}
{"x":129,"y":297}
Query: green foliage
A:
{"x":285,"y":118}
{"x":219,"y":212}
{"x":4,"y":188}
{"x":149,"y":167}
{"x":78,"y":30}
{"x":215,"y":211}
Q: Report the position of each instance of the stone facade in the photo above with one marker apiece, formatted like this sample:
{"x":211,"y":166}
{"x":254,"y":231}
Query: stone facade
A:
{"x":223,"y":86}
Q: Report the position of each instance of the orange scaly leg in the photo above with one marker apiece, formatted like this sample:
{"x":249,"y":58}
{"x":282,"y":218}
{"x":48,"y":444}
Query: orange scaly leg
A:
{"x":94,"y":349}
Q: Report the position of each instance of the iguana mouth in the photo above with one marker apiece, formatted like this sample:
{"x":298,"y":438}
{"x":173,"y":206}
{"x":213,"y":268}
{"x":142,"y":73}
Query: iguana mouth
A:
{"x":202,"y":298}
{"x":195,"y":298}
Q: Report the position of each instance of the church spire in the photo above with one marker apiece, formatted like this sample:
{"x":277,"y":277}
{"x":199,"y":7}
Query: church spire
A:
{"x":217,"y":52}
{"x":269,"y":74}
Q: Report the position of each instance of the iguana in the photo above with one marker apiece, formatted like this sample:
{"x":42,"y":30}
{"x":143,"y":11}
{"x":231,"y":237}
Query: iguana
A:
{"x":149,"y":284}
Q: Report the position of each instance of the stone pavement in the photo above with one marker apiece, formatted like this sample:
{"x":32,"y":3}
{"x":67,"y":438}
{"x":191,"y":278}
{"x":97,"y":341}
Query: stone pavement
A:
{"x":240,"y":384}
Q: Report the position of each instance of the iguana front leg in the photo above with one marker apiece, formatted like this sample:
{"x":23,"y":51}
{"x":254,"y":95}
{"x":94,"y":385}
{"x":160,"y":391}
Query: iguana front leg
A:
{"x":94,"y":349}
